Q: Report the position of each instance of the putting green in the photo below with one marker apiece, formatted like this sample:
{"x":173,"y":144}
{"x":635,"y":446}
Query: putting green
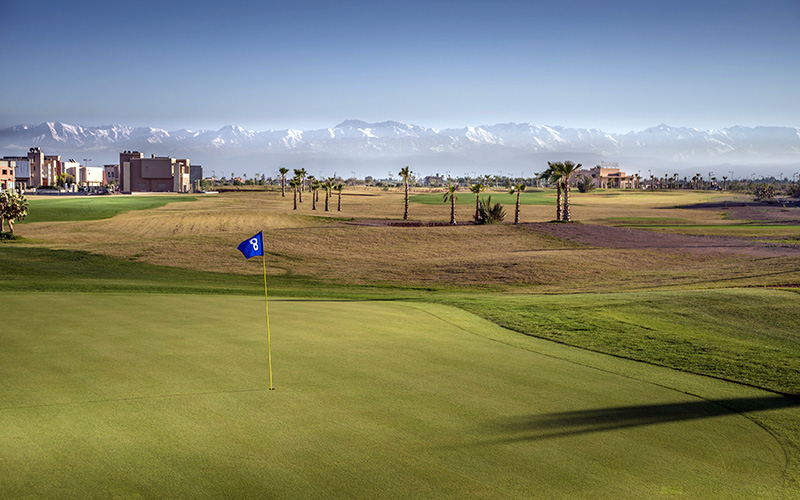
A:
{"x":145,"y":396}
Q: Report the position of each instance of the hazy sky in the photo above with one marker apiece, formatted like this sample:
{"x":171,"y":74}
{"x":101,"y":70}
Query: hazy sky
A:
{"x":613,"y":65}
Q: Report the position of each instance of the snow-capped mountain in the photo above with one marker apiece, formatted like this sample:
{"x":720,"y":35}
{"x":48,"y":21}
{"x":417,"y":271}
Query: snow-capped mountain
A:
{"x":370,"y":147}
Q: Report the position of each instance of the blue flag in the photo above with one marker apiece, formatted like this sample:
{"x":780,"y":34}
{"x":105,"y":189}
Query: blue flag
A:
{"x":252,"y":247}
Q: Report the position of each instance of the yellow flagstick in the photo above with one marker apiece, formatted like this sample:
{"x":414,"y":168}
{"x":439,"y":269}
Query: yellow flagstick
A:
{"x":266,"y":307}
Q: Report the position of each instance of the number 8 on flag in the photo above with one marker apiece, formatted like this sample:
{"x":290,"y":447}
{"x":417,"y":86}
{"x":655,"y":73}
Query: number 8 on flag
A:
{"x":252,"y":247}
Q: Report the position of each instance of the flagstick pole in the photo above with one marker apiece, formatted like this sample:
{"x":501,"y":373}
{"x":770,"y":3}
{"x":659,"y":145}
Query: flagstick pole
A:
{"x":266,"y":308}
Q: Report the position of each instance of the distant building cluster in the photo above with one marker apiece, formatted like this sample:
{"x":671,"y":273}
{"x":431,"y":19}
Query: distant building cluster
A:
{"x":607,"y":175}
{"x":134,"y":173}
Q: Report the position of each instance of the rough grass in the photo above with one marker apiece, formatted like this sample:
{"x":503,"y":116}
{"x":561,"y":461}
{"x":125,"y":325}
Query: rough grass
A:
{"x":719,"y":333}
{"x":166,"y":397}
{"x":203,"y":235}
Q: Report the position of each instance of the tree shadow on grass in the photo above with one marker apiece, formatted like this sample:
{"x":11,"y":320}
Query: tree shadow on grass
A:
{"x":571,"y":423}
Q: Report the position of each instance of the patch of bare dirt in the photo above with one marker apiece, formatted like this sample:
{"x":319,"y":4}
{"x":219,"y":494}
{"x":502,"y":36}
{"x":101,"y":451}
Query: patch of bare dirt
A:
{"x":623,"y":237}
{"x":783,"y":210}
{"x":401,"y":223}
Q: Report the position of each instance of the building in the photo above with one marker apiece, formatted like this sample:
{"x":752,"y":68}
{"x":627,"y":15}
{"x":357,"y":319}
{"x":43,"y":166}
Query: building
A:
{"x":154,"y":174}
{"x":86,"y":176}
{"x":195,"y":176}
{"x":7,"y":175}
{"x":112,"y":174}
{"x":36,"y":169}
{"x":606,"y":175}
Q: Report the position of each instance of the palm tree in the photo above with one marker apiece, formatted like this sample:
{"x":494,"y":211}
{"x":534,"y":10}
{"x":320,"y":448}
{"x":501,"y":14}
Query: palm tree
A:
{"x":283,"y":172}
{"x":294,"y":184}
{"x":552,"y":175}
{"x":518,"y":188}
{"x":338,"y":188}
{"x":567,"y":170}
{"x":314,"y":189}
{"x":477,"y":188}
{"x":301,"y":174}
{"x":327,"y":186}
{"x":405,"y":173}
{"x":311,"y":180}
{"x":452,"y":196}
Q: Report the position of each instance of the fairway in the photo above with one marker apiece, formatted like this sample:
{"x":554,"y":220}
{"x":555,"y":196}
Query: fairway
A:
{"x":125,"y":395}
{"x":83,"y":208}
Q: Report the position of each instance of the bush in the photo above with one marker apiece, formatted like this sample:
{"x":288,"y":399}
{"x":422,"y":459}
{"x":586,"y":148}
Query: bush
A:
{"x":8,"y":236}
{"x":793,"y":190}
{"x":585,"y":184}
{"x":765,"y":192}
{"x":488,"y":213}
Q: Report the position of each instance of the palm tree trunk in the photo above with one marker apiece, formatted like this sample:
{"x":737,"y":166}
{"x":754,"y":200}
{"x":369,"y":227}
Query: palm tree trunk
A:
{"x":558,"y":201}
{"x":301,"y":193}
{"x":313,"y":200}
{"x":516,"y":213}
{"x":452,"y":209}
{"x":566,"y":203}
{"x":405,"y":211}
{"x":283,"y":186}
{"x":477,"y":205}
{"x":339,"y":208}
{"x":327,"y":206}
{"x":295,"y":198}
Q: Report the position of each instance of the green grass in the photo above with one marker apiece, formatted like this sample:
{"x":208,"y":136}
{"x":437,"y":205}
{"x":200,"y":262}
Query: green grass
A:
{"x":679,"y":329}
{"x":84,"y":208}
{"x":741,"y":230}
{"x":537,"y":197}
{"x":31,"y":269}
{"x":746,"y":335}
{"x":165,"y":396}
{"x":640,"y":221}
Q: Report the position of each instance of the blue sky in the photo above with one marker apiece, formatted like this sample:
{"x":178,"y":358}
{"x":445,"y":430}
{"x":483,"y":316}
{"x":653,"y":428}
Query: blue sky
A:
{"x":614,"y":65}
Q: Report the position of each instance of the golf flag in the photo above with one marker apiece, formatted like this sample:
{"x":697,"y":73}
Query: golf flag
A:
{"x":252,"y":247}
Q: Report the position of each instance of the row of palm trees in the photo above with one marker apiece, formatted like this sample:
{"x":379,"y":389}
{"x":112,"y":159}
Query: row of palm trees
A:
{"x":451,"y":196}
{"x":558,"y":173}
{"x":298,"y":183}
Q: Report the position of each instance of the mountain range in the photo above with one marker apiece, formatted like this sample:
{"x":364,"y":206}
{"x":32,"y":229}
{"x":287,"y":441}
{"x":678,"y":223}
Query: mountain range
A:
{"x":362,"y":148}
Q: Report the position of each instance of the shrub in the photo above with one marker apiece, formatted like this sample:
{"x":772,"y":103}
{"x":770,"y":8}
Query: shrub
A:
{"x":765,"y":192}
{"x":488,"y":213}
{"x":585,"y":184}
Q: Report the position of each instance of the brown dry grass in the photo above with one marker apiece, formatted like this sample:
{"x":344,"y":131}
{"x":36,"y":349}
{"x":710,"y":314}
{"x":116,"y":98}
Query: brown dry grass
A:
{"x":203,"y":235}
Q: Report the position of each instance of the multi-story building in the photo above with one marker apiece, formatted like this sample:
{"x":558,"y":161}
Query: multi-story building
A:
{"x":7,"y":174}
{"x":154,"y":174}
{"x":36,"y":169}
